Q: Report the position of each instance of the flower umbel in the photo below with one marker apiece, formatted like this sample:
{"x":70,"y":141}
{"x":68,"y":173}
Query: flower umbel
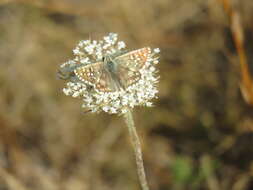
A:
{"x":108,"y":78}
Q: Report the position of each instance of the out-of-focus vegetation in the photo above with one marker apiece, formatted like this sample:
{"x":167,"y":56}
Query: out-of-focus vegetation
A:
{"x":198,"y":135}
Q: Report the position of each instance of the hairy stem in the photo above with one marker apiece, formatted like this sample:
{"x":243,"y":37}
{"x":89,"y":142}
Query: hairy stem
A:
{"x":137,"y":149}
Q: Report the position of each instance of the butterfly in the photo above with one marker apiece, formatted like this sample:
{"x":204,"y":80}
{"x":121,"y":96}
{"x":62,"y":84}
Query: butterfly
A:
{"x":113,"y":73}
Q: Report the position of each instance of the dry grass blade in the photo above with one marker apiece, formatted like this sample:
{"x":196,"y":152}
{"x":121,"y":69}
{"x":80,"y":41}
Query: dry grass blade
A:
{"x":211,"y":179}
{"x":11,"y":181}
{"x":246,"y":84}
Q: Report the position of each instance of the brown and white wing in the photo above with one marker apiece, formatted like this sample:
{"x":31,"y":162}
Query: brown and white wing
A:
{"x":95,"y":75}
{"x":129,"y":65}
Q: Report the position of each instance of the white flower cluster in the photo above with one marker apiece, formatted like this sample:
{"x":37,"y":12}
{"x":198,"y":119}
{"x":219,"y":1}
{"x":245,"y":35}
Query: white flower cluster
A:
{"x":115,"y":102}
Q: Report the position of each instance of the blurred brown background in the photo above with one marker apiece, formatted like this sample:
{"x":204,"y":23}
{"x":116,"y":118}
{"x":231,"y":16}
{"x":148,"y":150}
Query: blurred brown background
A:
{"x":198,"y":135}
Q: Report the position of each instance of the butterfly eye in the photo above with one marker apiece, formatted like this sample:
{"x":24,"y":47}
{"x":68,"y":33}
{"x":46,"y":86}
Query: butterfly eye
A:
{"x":89,"y":87}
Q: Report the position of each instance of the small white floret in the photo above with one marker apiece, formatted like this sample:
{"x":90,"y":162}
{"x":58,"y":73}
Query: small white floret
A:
{"x":157,"y":50}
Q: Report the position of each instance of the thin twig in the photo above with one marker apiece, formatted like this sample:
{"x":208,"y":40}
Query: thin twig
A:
{"x":137,"y":149}
{"x":246,"y":85}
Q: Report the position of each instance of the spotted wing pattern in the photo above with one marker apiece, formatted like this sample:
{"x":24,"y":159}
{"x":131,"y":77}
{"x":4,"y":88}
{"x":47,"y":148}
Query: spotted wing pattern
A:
{"x":127,"y":71}
{"x":129,"y":65}
{"x":95,"y":74}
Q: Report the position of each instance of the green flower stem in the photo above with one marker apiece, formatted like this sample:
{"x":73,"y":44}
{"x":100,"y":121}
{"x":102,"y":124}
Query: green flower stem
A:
{"x":137,"y":149}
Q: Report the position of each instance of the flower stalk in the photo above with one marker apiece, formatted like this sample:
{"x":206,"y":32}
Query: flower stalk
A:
{"x":137,"y":149}
{"x":109,"y":78}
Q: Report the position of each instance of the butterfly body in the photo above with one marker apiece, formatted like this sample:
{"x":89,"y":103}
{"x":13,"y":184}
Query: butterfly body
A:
{"x":114,"y":73}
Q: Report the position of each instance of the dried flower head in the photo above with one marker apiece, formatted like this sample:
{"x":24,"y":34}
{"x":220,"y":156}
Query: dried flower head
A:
{"x":108,"y":78}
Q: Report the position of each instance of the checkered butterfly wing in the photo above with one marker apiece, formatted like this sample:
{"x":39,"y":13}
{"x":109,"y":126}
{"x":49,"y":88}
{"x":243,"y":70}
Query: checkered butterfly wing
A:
{"x":96,"y":75}
{"x":129,"y":65}
{"x":127,"y":71}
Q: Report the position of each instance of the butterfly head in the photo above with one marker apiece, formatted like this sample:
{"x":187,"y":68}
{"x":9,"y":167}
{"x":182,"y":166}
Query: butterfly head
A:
{"x":109,"y":64}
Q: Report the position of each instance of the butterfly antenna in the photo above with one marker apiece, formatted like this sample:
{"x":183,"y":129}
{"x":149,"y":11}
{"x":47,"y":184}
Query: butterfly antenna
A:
{"x":86,"y":111}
